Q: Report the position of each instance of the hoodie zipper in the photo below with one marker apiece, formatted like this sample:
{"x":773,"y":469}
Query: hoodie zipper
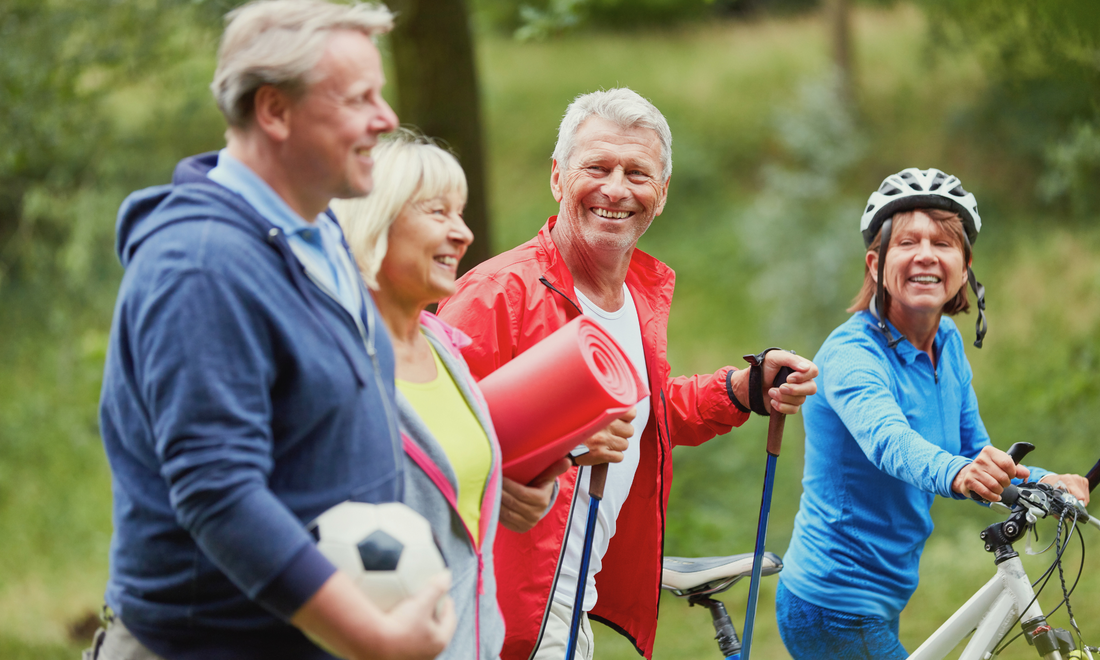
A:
{"x":446,"y":489}
{"x":366,"y":335}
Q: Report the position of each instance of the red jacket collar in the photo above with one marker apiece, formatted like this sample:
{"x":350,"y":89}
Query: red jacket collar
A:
{"x":646,"y":276}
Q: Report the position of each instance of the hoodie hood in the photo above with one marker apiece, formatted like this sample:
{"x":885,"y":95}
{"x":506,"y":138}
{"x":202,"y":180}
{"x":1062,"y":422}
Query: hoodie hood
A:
{"x":136,"y":220}
{"x":193,"y":197}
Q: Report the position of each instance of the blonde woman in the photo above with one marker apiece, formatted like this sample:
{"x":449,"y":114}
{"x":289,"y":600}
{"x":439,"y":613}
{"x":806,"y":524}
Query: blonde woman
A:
{"x":408,"y":237}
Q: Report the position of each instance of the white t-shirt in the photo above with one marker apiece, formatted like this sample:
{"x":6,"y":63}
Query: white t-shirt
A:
{"x":624,"y":326}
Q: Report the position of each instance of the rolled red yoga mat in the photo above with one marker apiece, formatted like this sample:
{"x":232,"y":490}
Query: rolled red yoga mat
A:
{"x":548,"y":399}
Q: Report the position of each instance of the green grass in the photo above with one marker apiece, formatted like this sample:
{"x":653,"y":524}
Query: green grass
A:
{"x":721,"y":87}
{"x":55,"y":499}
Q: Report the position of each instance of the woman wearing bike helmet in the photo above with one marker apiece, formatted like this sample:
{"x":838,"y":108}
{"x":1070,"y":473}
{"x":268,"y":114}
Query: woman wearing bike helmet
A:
{"x":896,"y":422}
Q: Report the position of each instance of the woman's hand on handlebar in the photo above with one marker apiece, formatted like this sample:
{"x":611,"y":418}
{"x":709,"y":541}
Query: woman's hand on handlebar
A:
{"x":988,"y":475}
{"x":1074,"y":484}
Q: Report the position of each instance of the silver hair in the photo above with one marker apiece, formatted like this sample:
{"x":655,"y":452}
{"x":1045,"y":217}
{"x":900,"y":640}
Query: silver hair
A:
{"x":621,"y":106}
{"x":408,"y":169}
{"x":279,"y":42}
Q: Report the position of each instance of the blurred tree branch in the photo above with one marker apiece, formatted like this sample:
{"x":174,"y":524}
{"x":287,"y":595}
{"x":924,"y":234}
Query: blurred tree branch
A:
{"x":61,"y":59}
{"x":1043,"y":61}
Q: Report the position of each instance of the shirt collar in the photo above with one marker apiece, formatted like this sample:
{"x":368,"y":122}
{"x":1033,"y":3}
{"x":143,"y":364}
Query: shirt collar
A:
{"x":239,"y":178}
{"x":904,"y":349}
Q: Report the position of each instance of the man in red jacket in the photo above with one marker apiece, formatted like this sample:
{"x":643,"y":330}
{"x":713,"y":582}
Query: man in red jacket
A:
{"x":610,"y":175}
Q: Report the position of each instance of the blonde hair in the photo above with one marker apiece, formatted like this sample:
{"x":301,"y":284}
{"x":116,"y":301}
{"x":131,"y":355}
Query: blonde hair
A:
{"x":278,"y":43}
{"x":409,"y":168}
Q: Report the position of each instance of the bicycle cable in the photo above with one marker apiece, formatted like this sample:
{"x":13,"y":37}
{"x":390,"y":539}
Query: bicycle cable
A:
{"x":1045,"y":578}
{"x":1061,"y":577}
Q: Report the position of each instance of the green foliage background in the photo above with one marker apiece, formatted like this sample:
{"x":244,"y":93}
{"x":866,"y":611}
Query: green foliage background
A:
{"x":772,"y":167}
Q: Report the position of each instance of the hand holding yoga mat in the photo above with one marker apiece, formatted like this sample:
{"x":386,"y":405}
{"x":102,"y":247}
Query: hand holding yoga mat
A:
{"x":548,"y":399}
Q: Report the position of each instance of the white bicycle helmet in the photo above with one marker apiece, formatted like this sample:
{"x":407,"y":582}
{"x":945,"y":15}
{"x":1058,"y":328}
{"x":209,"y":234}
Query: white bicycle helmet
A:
{"x":920,"y":189}
{"x":910,"y":189}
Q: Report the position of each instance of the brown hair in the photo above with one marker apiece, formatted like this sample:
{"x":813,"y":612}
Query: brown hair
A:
{"x":949,"y":223}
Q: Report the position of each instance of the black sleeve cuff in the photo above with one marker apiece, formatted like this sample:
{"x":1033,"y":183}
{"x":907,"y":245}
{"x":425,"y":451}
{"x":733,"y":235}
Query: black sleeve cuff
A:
{"x":729,"y":392}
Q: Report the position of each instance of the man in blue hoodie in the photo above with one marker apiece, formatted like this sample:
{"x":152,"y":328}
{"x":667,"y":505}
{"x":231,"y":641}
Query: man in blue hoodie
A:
{"x":249,"y":383}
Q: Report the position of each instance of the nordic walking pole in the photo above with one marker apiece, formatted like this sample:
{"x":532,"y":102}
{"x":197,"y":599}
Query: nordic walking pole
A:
{"x":775,"y":442}
{"x":596,"y":480}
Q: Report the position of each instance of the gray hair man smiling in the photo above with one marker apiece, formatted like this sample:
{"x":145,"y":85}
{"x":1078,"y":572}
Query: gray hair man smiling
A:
{"x":610,"y":176}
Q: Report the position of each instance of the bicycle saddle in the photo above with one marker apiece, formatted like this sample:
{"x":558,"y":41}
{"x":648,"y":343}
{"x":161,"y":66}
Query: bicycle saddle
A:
{"x":686,"y":576}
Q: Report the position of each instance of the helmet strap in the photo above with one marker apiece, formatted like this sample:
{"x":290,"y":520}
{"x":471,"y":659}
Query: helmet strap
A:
{"x":879,"y":300}
{"x":980,"y":326}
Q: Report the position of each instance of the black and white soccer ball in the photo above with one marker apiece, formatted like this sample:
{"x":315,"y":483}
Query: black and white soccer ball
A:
{"x":388,"y":549}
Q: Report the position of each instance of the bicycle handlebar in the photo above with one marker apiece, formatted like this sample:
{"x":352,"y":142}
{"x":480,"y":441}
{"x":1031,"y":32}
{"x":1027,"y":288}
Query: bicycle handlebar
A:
{"x":1044,"y":500}
{"x":1093,"y":476}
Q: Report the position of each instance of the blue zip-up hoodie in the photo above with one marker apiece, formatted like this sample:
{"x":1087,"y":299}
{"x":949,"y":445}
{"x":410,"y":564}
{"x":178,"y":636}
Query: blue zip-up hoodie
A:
{"x":239,"y":402}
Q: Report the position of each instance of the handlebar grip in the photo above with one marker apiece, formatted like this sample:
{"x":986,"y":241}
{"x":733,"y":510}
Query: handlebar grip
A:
{"x":1017,"y":452}
{"x":1020,"y":449}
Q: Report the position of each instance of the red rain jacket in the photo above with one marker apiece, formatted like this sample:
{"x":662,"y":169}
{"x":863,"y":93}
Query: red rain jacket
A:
{"x":506,"y":305}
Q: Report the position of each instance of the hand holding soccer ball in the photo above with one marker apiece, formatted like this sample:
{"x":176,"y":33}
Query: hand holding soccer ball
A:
{"x":387,"y":549}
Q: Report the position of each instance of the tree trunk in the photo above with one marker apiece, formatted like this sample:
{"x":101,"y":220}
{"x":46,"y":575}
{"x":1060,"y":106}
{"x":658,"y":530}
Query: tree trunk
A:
{"x":840,"y":32}
{"x":438,"y":93}
{"x":11,"y":203}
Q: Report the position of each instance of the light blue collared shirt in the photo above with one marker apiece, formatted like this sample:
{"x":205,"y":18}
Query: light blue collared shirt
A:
{"x":318,"y":245}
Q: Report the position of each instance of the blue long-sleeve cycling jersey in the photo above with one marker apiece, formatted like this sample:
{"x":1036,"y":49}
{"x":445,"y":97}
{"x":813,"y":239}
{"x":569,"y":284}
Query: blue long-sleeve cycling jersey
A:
{"x":886,"y":432}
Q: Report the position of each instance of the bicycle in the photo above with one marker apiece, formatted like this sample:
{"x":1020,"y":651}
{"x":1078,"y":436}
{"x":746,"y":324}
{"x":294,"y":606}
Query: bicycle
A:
{"x":989,"y":616}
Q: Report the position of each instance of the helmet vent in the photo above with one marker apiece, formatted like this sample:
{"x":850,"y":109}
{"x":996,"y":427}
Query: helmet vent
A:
{"x":937,"y":181}
{"x":912,"y":181}
{"x":869,"y":207}
{"x":958,"y":191}
{"x":889,"y":189}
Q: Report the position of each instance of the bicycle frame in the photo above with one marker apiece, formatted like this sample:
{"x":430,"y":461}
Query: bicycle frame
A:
{"x":990,"y":613}
{"x":1008,"y":598}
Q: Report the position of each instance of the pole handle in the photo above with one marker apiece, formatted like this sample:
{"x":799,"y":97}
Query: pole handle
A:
{"x":778,"y":419}
{"x":775,"y":432}
{"x":596,"y":480}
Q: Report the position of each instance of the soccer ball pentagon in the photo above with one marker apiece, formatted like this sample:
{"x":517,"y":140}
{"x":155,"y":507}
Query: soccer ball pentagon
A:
{"x":387,"y":549}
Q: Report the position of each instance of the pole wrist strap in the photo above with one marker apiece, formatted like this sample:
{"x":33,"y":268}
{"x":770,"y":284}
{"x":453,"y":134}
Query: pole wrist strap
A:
{"x":756,"y":379}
